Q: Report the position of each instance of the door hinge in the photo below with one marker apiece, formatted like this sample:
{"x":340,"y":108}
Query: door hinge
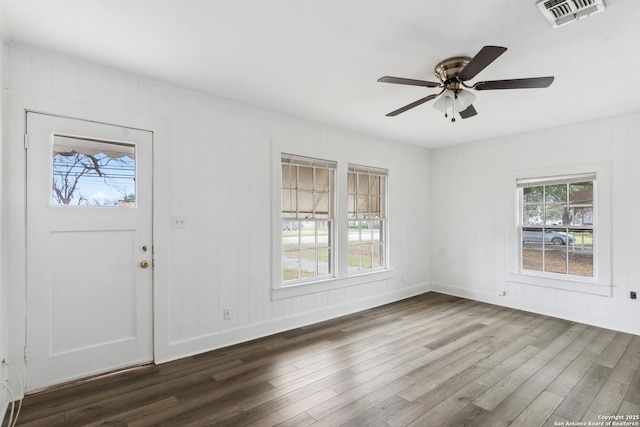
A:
{"x":26,"y":358}
{"x":26,"y":141}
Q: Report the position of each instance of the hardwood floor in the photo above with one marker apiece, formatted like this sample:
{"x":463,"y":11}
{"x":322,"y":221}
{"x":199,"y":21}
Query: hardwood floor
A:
{"x":431,"y":360}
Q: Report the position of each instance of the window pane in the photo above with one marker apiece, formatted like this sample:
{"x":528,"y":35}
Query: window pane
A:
{"x":375,"y":231}
{"x":581,"y":254}
{"x":555,"y":260}
{"x":308,"y":264}
{"x":305,"y":204}
{"x":351,"y":205}
{"x":291,"y":227}
{"x":374,"y":184}
{"x":323,"y":233}
{"x":93,"y":173}
{"x":532,"y":259}
{"x":354,"y":257}
{"x":363,"y":206}
{"x":290,"y":265}
{"x":305,"y":177}
{"x":354,"y":232}
{"x":581,"y":193}
{"x":375,"y":206}
{"x":532,"y":237}
{"x":581,"y":215}
{"x":287,"y":182}
{"x":532,"y":194}
{"x":351,"y":182}
{"x":581,"y":203}
{"x":557,"y":237}
{"x":324,"y":255}
{"x":556,"y":214}
{"x":582,"y":239}
{"x":288,"y":202}
{"x":363,"y":183}
{"x":365,"y":256}
{"x":377,"y":258}
{"x":321,"y":204}
{"x":322,"y":179}
{"x":366,"y":232}
{"x":533,"y":215}
{"x":556,"y":193}
{"x":581,"y":264}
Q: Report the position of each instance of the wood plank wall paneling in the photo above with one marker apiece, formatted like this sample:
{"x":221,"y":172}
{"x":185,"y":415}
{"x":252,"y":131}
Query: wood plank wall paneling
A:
{"x":213,"y":160}
{"x":431,"y":360}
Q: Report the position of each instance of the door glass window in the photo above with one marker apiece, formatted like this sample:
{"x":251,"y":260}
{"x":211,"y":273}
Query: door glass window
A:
{"x":89,"y":172}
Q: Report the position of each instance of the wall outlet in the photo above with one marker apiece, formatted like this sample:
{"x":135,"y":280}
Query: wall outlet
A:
{"x":633,"y":295}
{"x":226,"y":313}
{"x":178,"y":222}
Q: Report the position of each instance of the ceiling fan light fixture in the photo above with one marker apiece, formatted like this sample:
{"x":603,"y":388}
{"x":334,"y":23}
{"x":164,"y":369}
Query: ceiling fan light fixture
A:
{"x":454,"y":100}
{"x":466,"y":98}
{"x":445,"y":101}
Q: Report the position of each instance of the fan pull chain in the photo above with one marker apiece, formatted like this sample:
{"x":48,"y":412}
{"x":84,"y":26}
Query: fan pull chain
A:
{"x":453,"y":106}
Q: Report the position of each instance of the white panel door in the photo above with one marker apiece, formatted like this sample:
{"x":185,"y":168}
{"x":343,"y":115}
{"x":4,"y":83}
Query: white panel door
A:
{"x":89,"y":249}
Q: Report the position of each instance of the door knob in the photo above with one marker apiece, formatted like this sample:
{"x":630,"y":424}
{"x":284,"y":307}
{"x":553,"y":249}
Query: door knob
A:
{"x":144,"y":264}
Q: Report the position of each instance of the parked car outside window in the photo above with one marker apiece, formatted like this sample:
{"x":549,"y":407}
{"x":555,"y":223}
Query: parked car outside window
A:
{"x":549,"y":236}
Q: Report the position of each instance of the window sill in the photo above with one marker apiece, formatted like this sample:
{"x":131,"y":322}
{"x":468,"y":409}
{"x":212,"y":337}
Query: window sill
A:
{"x":570,"y":283}
{"x":300,"y":289}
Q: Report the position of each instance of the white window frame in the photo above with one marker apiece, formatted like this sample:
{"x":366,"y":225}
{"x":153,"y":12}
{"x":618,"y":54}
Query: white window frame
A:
{"x":601,"y":282}
{"x":341,"y":280}
{"x":544,"y":182}
{"x":299,"y":218}
{"x":354,"y":214}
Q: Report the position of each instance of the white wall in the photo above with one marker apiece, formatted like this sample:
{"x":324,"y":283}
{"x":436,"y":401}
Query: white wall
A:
{"x":473,"y":218}
{"x":212,"y":166}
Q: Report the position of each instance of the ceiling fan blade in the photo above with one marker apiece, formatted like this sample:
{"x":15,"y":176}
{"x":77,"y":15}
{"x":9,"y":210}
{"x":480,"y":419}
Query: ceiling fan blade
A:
{"x":486,"y":56}
{"x":470,"y":111}
{"x":403,"y":81}
{"x":530,"y":83}
{"x":412,"y":105}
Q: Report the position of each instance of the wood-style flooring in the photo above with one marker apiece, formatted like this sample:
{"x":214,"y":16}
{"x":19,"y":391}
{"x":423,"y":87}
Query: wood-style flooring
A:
{"x":431,"y":360}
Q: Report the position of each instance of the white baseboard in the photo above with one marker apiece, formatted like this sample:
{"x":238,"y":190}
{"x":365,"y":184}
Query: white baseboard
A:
{"x":222,"y":339}
{"x":589,"y":318}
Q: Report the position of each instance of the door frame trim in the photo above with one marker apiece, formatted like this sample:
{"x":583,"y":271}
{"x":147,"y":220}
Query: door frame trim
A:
{"x":17,"y":102}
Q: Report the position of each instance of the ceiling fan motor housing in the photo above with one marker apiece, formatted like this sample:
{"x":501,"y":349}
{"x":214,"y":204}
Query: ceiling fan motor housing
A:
{"x":447,"y":71}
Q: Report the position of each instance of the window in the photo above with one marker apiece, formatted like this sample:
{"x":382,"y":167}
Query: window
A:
{"x":88,"y":172}
{"x":307,"y":215}
{"x":558,"y":225}
{"x":366,"y":200}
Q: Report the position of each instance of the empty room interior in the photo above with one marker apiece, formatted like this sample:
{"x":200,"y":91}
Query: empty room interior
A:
{"x":329,"y":213}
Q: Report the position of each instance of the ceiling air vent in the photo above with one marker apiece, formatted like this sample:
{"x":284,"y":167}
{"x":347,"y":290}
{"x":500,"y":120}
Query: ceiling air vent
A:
{"x":562,"y":12}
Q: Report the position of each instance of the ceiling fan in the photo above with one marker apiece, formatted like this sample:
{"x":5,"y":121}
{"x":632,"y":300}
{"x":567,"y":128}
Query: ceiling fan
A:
{"x":453,"y":73}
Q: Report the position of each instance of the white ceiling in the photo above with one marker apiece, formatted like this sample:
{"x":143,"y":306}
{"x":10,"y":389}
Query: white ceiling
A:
{"x":320,"y":60}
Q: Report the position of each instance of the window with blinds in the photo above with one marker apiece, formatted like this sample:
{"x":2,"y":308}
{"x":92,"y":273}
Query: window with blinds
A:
{"x":307,"y":215}
{"x":367,"y":218}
